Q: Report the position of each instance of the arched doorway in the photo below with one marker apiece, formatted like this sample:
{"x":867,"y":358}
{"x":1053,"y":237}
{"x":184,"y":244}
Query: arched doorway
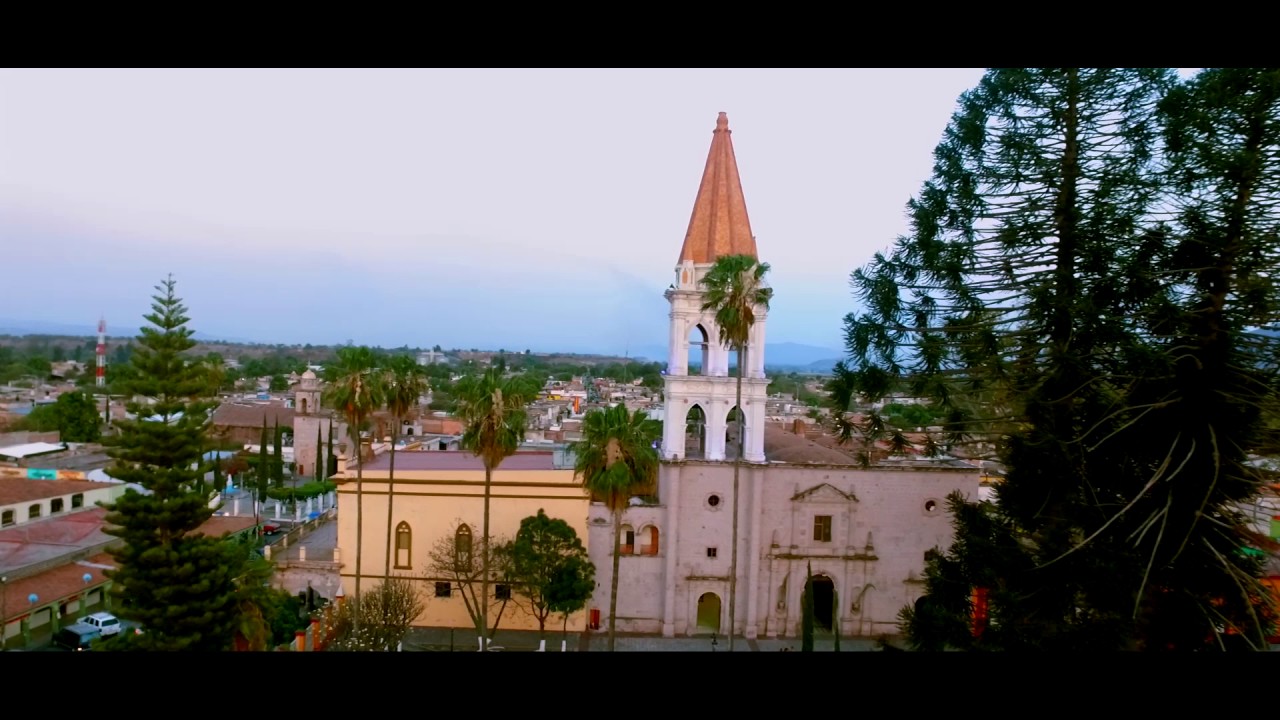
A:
{"x":709,"y":613}
{"x":823,"y":596}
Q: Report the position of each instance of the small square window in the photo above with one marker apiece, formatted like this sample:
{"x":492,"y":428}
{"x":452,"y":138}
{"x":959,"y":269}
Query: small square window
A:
{"x":7,"y":518}
{"x":822,"y":528}
{"x":711,"y":552}
{"x":443,"y":589}
{"x":502,"y":592}
{"x":55,"y":505}
{"x":77,"y":500}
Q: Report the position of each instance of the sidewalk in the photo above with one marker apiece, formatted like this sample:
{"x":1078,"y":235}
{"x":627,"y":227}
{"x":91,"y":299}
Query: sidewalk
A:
{"x":464,"y":640}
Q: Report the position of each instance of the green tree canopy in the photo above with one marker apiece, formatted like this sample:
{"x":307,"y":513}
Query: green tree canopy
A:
{"x":547,"y":567}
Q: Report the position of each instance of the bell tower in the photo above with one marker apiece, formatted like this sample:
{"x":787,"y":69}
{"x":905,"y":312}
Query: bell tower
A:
{"x":699,"y":389}
{"x":306,"y":399}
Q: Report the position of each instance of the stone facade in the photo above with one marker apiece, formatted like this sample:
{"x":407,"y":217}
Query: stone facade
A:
{"x":879,"y":524}
{"x":864,"y":532}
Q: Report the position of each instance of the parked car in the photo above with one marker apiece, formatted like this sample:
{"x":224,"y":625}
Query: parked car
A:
{"x":106,"y":623}
{"x":76,"y":636}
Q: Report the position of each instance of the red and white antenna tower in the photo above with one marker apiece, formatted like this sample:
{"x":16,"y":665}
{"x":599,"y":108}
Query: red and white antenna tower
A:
{"x":102,"y":353}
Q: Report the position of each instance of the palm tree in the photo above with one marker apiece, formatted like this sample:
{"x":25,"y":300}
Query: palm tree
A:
{"x":615,"y":458}
{"x":735,"y":290}
{"x":492,"y":410}
{"x":405,"y":384}
{"x":355,"y":391}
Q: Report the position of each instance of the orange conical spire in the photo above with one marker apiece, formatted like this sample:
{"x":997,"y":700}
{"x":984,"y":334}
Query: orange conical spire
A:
{"x":719,"y":224}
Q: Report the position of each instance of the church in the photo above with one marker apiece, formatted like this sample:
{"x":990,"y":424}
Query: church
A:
{"x":863,"y":531}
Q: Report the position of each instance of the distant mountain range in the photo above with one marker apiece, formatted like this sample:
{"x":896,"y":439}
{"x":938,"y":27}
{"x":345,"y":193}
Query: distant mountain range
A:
{"x":9,"y":326}
{"x":791,"y":357}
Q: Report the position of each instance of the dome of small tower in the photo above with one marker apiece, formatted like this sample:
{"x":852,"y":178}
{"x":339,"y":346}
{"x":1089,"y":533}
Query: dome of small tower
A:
{"x":309,"y":375}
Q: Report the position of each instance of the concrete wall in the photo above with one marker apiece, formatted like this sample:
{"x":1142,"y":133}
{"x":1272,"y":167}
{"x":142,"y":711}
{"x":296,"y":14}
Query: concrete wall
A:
{"x":875,"y":558}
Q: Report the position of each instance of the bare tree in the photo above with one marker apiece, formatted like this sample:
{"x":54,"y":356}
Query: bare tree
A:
{"x":458,"y":558}
{"x":386,"y":612}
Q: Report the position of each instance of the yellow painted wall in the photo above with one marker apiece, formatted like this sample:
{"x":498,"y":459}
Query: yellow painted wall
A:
{"x":432,"y":503}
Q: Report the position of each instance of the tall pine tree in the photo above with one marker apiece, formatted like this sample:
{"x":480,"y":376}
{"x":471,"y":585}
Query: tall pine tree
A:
{"x":1008,"y":306}
{"x":178,"y":584}
{"x":1094,"y":349}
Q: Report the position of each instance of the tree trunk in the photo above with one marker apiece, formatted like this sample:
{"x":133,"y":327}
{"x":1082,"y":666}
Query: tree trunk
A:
{"x":391,"y":494}
{"x":613,"y":582}
{"x":359,"y":531}
{"x":737,"y":463}
{"x":484,"y":563}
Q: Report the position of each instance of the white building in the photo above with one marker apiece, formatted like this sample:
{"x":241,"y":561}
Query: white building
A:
{"x":864,"y":532}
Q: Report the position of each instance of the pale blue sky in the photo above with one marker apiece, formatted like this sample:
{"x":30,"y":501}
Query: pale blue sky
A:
{"x":537,"y":209}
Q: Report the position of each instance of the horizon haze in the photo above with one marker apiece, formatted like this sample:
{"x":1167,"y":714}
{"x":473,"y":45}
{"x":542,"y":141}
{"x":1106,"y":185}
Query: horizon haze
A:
{"x":539,"y":209}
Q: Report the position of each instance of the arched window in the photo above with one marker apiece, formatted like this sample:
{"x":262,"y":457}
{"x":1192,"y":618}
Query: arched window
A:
{"x":404,"y":543}
{"x":462,"y":544}
{"x":33,"y":512}
{"x":649,"y":541}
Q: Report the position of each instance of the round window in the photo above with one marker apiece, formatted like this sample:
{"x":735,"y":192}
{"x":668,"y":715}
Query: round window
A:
{"x":714,"y":501}
{"x":930,"y":506}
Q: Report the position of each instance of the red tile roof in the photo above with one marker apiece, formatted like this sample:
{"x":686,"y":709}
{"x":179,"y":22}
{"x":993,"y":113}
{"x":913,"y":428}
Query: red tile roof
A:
{"x":237,"y":415}
{"x":719,"y":224}
{"x":60,"y":583}
{"x":220,"y":525}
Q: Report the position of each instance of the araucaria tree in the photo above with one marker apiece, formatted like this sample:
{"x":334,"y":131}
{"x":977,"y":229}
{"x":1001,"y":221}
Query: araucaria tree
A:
{"x":178,"y":584}
{"x":1077,"y":295}
{"x":546,"y":566}
{"x":616,"y":459}
{"x":736,"y":291}
{"x":492,"y":410}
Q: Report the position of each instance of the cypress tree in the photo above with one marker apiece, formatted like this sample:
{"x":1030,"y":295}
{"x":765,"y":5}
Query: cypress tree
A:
{"x":331,"y":462}
{"x":264,"y":465}
{"x":835,"y":617}
{"x":177,"y":584}
{"x":806,"y":611}
{"x":319,"y":456}
{"x":217,"y":474}
{"x":277,"y":459}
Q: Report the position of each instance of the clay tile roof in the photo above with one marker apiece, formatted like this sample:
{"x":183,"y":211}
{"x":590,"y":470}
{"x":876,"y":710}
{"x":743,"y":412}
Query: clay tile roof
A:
{"x":236,"y":415}
{"x":64,"y":581}
{"x":20,"y":490}
{"x":220,"y":525}
{"x":783,"y":446}
{"x":719,"y":224}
